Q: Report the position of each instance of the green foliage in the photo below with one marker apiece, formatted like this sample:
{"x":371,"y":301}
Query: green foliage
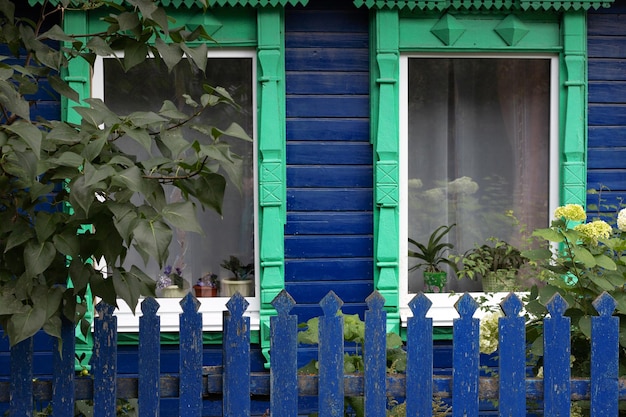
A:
{"x":433,"y":254}
{"x":580,"y":265}
{"x":85,"y":177}
{"x":240,"y":270}
{"x":480,"y":260}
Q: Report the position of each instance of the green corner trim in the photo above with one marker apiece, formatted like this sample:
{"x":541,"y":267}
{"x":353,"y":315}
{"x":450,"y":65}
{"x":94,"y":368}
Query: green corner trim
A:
{"x":200,"y":4}
{"x":481,"y":5}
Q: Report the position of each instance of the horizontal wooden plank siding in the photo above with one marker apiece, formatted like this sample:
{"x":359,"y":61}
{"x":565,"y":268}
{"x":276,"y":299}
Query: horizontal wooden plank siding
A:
{"x":606,"y":158}
{"x":328,"y":235}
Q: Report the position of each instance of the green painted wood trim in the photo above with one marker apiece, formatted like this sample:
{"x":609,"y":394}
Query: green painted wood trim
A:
{"x":272,"y":165}
{"x":440,"y":5}
{"x":385,"y":131}
{"x":196,"y":4}
{"x":395,"y":31}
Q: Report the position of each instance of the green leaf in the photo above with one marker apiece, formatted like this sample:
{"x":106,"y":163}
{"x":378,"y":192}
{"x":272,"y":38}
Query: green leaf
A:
{"x":549,"y":234}
{"x":20,"y":234}
{"x":69,"y":159}
{"x":605,"y":262}
{"x":126,"y":289}
{"x":198,"y":54}
{"x":171,"y":53}
{"x":182,"y":216}
{"x":174,"y":141}
{"x":583,"y":255}
{"x":13,"y":101}
{"x":38,"y":257}
{"x":154,"y":238}
{"x":145,"y":118}
{"x":132,"y":179}
{"x":134,"y":53}
{"x":169,"y":110}
{"x":208,"y":189}
{"x":67,"y":243}
{"x":45,"y":225}
{"x":23,"y":325}
{"x":128,"y":21}
{"x":29,"y":133}
{"x":100,"y":46}
{"x":63,"y":133}
{"x":63,"y":88}
{"x":95,"y":175}
{"x":57,"y":34}
{"x":9,"y":304}
{"x":124,"y":218}
{"x":584,"y":323}
{"x":236,"y":131}
{"x":81,"y":196}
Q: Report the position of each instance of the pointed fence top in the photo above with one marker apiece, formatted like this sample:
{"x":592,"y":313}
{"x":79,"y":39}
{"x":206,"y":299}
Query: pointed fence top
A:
{"x":557,"y":305}
{"x":103,"y":309}
{"x":331,"y":304}
{"x":375,"y":301}
{"x":237,"y":305}
{"x":605,"y":304}
{"x":511,"y":305}
{"x":150,"y":306}
{"x":190,"y":303}
{"x":283,"y":303}
{"x":419,"y":305}
{"x":466,"y":306}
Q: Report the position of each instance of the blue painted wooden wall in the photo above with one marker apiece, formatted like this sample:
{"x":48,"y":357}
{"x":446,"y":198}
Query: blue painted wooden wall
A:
{"x":328,"y":236}
{"x":607,"y":102}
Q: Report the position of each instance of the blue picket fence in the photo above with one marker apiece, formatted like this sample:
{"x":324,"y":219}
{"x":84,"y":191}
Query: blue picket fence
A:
{"x":236,"y":384}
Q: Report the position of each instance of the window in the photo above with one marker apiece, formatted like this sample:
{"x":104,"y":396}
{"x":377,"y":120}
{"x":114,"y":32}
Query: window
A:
{"x":145,"y":87}
{"x":479,"y":138}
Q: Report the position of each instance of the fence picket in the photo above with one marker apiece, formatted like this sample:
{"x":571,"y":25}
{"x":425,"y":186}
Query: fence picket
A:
{"x":604,"y":358}
{"x":236,"y":358}
{"x":419,"y":373}
{"x":556,"y":359}
{"x":63,"y":365}
{"x":512,"y":359}
{"x":149,"y":359}
{"x":21,"y":401}
{"x":104,"y":361}
{"x":190,"y":358}
{"x":375,"y":356}
{"x":330,"y":383}
{"x":284,"y":364}
{"x":465,"y":359}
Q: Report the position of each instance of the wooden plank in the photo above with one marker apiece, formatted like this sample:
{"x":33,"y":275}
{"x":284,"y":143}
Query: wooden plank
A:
{"x":21,"y":392}
{"x":607,"y":114}
{"x":512,"y":359}
{"x":607,"y":92}
{"x":336,"y":199}
{"x":330,"y":176}
{"x":284,"y":358}
{"x":556,"y":359}
{"x":419,"y":381}
{"x":63,"y":359}
{"x":327,"y":59}
{"x":607,"y":136}
{"x":313,"y":292}
{"x":609,"y":198}
{"x":327,"y":269}
{"x":104,"y":367}
{"x":606,"y":69}
{"x":329,"y":153}
{"x":328,"y":246}
{"x":236,"y":354}
{"x":599,"y":24}
{"x":326,"y":39}
{"x":606,"y":158}
{"x":465,"y":357}
{"x":325,"y":129}
{"x":149,"y":358}
{"x":607,"y":46}
{"x":324,"y":82}
{"x":327,"y":106}
{"x":612,"y":179}
{"x":191,"y":358}
{"x":604,"y":358}
{"x":343,"y":223}
{"x":375,"y":356}
{"x":310,"y":20}
{"x":331,"y":381}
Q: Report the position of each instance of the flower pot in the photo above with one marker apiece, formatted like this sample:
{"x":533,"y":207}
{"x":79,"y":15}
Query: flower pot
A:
{"x":172,"y":291}
{"x":205,"y":291}
{"x":502,"y":280}
{"x":435,"y":281}
{"x":230,"y":286}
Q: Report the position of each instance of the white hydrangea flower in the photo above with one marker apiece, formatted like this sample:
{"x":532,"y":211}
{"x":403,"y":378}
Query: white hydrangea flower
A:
{"x":621,"y":220}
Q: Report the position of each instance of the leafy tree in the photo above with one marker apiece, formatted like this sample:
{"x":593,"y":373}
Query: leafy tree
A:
{"x":80,"y":173}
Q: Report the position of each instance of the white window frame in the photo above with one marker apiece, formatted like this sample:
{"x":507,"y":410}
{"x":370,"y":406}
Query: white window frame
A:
{"x":211,"y":308}
{"x":442,"y":310}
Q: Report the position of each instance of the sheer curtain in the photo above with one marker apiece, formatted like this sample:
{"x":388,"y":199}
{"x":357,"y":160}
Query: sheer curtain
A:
{"x":478,"y":148}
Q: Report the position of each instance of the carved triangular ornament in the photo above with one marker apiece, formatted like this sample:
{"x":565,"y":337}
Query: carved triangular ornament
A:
{"x":511,"y":30}
{"x":448,"y":29}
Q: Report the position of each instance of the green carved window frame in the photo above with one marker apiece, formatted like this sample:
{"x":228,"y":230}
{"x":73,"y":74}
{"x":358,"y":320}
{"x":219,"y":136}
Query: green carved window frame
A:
{"x":233,"y":26}
{"x":457,"y":27}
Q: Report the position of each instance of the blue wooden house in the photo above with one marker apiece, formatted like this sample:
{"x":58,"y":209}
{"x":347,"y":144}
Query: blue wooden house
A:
{"x":378,"y":120}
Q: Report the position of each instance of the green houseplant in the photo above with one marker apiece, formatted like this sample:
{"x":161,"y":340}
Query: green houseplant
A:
{"x":207,"y":285}
{"x":497,"y":264}
{"x":240,"y":279}
{"x":432,"y":256}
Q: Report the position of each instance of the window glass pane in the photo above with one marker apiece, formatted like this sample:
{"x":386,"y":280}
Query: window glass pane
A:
{"x":145,"y":87}
{"x":478,"y":146}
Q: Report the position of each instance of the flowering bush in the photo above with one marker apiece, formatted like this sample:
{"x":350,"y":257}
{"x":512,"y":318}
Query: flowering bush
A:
{"x":580,"y":261}
{"x":488,"y":342}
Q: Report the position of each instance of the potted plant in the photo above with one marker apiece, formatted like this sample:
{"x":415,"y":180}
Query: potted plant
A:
{"x":207,"y":285}
{"x":497,"y":264}
{"x":240,"y":278}
{"x":171,"y":284}
{"x":432,"y":256}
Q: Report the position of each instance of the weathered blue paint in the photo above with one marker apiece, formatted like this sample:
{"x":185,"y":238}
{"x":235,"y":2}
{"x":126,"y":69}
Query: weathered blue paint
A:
{"x":63,"y":359}
{"x":556,"y":359}
{"x":149,"y":359}
{"x":419,"y":383}
{"x":331,"y":387}
{"x":604,"y":347}
{"x":284,"y":351}
{"x":375,"y":356}
{"x":465,"y":358}
{"x":511,"y":358}
{"x":21,"y":377}
{"x":191,"y":358}
{"x":236,"y":350}
{"x":104,"y":361}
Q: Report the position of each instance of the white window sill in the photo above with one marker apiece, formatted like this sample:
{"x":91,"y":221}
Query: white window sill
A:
{"x":212,"y":309}
{"x":443,"y":312}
